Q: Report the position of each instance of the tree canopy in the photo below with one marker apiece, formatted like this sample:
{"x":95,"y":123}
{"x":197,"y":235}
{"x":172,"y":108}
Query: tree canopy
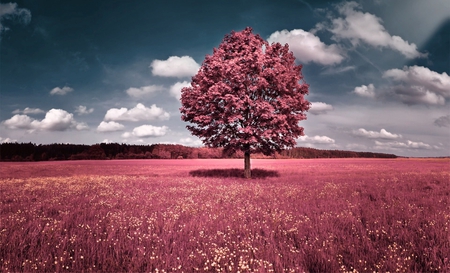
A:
{"x":248,"y":96}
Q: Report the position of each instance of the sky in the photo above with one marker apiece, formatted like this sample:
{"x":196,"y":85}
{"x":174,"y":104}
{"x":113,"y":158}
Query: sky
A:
{"x":87,"y":72}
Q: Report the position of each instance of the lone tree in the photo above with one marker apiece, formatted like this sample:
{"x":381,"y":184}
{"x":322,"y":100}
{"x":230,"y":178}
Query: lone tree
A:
{"x":247,"y":96}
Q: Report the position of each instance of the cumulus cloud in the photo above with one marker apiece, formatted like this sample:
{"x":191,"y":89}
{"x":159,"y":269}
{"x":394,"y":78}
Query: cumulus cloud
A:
{"x":138,"y":113}
{"x":7,"y":140}
{"x":365,"y":91}
{"x":143,"y":91}
{"x":318,"y":108}
{"x":443,"y":121}
{"x":10,"y":12}
{"x":175,"y":90}
{"x":373,"y":134}
{"x":316,"y":139}
{"x":18,"y":122}
{"x":110,"y":126}
{"x":175,"y":66}
{"x":55,"y":120}
{"x":307,"y":47}
{"x":149,"y":131}
{"x":420,"y":85}
{"x":61,"y":91}
{"x":29,"y":111}
{"x":188,"y":141}
{"x":82,"y":110}
{"x":395,"y":145}
{"x":357,"y":26}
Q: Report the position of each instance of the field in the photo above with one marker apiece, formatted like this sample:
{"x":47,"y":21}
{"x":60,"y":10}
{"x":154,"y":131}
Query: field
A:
{"x":323,"y":215}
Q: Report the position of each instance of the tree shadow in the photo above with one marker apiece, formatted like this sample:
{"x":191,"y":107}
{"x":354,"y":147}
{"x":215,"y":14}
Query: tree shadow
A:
{"x":239,"y":173}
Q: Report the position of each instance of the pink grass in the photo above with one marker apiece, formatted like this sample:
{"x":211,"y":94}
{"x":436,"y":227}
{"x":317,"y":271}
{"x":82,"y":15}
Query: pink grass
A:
{"x":360,"y":215}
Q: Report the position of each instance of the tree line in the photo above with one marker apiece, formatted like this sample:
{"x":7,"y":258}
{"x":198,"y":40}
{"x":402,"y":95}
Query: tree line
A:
{"x":105,"y":151}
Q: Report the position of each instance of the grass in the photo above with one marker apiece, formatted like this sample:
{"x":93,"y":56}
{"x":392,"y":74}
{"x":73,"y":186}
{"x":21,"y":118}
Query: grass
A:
{"x":353,"y":215}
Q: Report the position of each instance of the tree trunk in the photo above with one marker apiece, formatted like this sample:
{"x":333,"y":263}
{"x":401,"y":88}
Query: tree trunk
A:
{"x":247,"y":170}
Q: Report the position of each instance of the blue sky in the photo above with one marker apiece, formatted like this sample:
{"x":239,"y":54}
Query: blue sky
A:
{"x":111,"y":71}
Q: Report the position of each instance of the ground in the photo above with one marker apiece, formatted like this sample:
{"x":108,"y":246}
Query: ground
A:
{"x":322,"y":215}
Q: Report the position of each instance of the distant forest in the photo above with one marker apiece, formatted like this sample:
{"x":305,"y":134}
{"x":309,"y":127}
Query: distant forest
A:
{"x":104,"y":151}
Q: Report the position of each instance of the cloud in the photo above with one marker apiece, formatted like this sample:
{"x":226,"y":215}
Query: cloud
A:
{"x":307,"y":47}
{"x":82,"y":110}
{"x":18,"y":122}
{"x":29,"y":111}
{"x":383,"y":134}
{"x":365,"y":91}
{"x":138,"y":113}
{"x":107,"y":141}
{"x":443,"y":121}
{"x":55,"y":120}
{"x":418,"y":84}
{"x":318,"y":108}
{"x":175,"y":90}
{"x":110,"y":126}
{"x":61,"y":91}
{"x":357,"y":27}
{"x":188,"y":141}
{"x":143,"y":91}
{"x":7,"y":140}
{"x":150,"y":131}
{"x":9,"y":11}
{"x":316,"y":139}
{"x":395,"y":145}
{"x":175,"y":66}
{"x":337,"y":70}
{"x":59,"y":120}
{"x":126,"y":135}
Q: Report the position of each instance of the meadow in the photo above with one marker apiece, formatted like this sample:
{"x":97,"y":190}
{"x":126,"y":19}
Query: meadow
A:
{"x":322,"y":215}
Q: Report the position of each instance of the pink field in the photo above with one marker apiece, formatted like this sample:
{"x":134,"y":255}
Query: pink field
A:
{"x":323,"y":215}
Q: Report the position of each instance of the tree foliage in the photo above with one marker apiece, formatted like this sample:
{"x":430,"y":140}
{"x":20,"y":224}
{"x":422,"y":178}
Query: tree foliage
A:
{"x":247,"y":96}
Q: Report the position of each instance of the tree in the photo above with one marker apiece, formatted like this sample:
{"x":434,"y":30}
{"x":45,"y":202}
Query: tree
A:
{"x":247,"y":96}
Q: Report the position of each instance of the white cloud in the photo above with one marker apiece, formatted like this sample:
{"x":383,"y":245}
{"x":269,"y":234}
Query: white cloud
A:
{"x":316,"y":139}
{"x":143,"y":91}
{"x":29,"y":111}
{"x":175,"y":90}
{"x":150,"y":131}
{"x":18,"y":122}
{"x":318,"y":108}
{"x":358,"y":27}
{"x":55,"y":120}
{"x":418,"y":84}
{"x":365,"y":91}
{"x":82,"y":110}
{"x":58,"y":120}
{"x":395,"y":145}
{"x":110,"y":126}
{"x":126,"y":135}
{"x":307,"y":47}
{"x":188,"y":141}
{"x":138,"y":113}
{"x":443,"y":121}
{"x":61,"y":91}
{"x":7,"y":140}
{"x":9,"y":11}
{"x":372,"y":134}
{"x":175,"y":66}
{"x":107,"y":141}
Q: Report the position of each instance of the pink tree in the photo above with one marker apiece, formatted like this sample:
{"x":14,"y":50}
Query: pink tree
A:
{"x":247,"y":96}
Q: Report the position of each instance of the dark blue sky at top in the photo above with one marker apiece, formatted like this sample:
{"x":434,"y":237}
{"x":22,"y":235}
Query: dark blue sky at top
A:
{"x":102,"y":48}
